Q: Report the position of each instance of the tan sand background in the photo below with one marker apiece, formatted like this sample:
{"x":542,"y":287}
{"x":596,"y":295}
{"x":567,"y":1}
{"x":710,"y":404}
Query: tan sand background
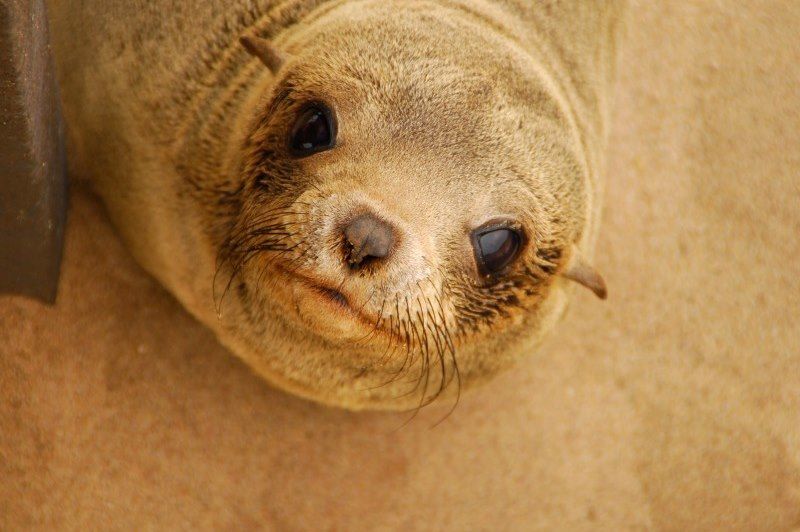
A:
{"x":675,"y":405}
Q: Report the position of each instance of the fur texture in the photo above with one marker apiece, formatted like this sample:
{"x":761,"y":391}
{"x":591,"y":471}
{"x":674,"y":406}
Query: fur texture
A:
{"x":451,"y":113}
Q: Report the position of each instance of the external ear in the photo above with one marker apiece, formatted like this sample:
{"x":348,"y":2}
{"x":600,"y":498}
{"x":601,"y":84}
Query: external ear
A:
{"x":272,"y":58}
{"x":584,"y":273}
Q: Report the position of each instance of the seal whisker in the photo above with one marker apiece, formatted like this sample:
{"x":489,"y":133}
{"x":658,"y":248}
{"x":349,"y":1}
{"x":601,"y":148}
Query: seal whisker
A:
{"x":434,"y":335}
{"x":267,"y":233}
{"x":376,"y":325}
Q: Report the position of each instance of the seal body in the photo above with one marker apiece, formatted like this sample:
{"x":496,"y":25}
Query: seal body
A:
{"x":362,"y":275}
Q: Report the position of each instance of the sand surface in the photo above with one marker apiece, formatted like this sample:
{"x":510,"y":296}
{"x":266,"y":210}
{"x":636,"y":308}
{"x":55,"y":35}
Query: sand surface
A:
{"x":675,"y":405}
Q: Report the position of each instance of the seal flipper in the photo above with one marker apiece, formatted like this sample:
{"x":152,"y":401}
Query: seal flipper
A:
{"x":272,"y":58}
{"x":580,"y":271}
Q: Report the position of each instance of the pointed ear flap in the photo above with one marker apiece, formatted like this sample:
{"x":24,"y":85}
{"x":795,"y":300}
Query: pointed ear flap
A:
{"x":580,"y":271}
{"x":272,"y":58}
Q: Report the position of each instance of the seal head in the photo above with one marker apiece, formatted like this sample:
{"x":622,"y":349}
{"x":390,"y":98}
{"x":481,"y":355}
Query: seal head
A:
{"x":410,"y":196}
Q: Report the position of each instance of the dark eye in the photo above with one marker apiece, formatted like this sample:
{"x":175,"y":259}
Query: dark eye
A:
{"x":496,"y":248}
{"x":314,"y":131}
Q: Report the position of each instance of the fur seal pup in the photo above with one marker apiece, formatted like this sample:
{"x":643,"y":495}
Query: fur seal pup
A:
{"x":373,"y":203}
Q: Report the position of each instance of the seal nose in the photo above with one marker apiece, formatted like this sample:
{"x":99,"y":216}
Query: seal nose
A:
{"x":367,"y":239}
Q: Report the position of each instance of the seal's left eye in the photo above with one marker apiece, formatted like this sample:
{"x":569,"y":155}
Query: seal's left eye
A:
{"x":314,"y":131}
{"x":496,"y":248}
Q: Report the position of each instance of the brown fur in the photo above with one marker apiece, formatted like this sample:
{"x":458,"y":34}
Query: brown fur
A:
{"x":451,"y":113}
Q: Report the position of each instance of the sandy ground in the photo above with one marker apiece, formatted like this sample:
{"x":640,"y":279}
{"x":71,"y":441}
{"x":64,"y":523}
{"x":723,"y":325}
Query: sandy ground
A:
{"x":675,"y":405}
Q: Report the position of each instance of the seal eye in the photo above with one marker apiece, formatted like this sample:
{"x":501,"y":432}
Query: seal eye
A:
{"x":496,"y":248}
{"x":314,"y":131}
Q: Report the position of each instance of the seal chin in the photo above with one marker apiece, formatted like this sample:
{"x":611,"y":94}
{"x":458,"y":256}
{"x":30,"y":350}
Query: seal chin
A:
{"x":322,"y":309}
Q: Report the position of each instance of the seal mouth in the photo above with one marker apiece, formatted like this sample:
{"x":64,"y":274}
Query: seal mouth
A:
{"x":334,"y":295}
{"x":331,"y":297}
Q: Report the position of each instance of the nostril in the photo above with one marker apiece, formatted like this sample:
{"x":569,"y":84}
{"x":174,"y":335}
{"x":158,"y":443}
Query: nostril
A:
{"x":367,"y":238}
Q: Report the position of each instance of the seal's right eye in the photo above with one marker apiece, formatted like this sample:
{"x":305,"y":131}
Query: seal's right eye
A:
{"x":313,"y":131}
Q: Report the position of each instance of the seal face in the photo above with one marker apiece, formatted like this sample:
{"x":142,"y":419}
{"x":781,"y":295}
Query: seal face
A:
{"x":381,"y":211}
{"x":402,"y":213}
